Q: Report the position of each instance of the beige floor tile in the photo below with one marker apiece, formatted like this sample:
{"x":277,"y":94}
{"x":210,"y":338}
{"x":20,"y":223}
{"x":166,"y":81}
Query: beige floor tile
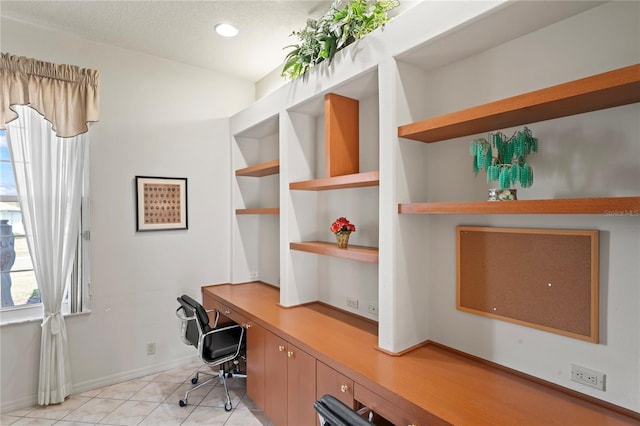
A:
{"x":8,"y":420}
{"x":155,"y":392}
{"x":210,"y":416}
{"x":66,"y":423}
{"x":177,"y":375}
{"x":244,"y":417}
{"x":123,"y":390}
{"x":91,"y":393}
{"x":130,"y":413}
{"x":167,"y":415}
{"x":31,"y":421}
{"x":195,"y":397}
{"x":21,"y":412}
{"x":247,"y":403}
{"x":94,"y":410}
{"x":217,"y":397}
{"x":58,"y":411}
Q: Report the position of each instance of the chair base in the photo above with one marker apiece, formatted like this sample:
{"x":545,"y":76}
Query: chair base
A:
{"x":221,"y":376}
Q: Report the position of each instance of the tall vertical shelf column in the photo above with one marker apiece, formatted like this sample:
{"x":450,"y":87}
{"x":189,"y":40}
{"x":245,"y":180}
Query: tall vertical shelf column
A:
{"x":256,"y":195}
{"x":332,"y":164}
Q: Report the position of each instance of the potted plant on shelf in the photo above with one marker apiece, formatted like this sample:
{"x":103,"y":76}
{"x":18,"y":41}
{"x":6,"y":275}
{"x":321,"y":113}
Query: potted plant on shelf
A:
{"x":504,"y":160}
{"x":342,"y":228}
{"x":335,"y":30}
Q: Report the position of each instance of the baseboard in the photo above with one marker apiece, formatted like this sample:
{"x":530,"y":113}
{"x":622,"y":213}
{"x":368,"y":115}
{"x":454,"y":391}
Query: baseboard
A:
{"x":88,"y":385}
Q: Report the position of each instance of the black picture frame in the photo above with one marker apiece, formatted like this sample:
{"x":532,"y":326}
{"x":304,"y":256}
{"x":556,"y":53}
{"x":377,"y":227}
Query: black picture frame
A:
{"x":161,"y":203}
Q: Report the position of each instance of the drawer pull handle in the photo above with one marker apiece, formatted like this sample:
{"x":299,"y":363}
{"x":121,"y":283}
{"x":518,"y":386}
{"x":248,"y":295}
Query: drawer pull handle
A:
{"x":227,"y":312}
{"x":344,"y":388}
{"x":290,"y":354}
{"x":281,"y":348}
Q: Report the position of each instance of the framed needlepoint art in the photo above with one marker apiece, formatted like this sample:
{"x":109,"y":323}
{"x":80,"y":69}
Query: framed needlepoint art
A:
{"x":161,"y":203}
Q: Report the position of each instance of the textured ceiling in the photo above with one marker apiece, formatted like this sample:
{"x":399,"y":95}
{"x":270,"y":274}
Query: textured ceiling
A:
{"x":181,"y":30}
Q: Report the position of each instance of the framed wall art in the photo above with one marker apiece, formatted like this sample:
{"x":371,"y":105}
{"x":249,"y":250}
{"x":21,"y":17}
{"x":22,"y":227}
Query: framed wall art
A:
{"x":161,"y":203}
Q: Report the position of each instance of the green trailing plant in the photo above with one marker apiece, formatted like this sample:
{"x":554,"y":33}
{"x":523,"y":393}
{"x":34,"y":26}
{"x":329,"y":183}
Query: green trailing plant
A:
{"x":322,"y":38}
{"x":504,"y":159}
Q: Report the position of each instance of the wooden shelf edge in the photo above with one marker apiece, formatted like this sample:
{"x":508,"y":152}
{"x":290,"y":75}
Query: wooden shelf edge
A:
{"x":264,"y":210}
{"x":356,"y":180}
{"x":353,"y":252}
{"x":610,"y":206}
{"x":607,"y":90}
{"x":259,"y":170}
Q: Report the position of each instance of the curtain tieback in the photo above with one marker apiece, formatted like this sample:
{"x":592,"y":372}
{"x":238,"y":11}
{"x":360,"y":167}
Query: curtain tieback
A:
{"x":55,"y":318}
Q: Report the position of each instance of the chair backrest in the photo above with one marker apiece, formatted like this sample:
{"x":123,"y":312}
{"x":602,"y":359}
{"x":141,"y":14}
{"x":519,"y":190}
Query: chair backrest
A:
{"x":197,"y":320}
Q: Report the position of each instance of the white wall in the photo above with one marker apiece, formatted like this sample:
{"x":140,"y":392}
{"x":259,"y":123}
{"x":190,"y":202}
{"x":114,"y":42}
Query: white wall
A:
{"x":157,"y":118}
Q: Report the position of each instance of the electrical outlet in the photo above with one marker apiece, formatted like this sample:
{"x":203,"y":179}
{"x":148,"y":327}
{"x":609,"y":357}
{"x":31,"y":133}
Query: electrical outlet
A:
{"x":151,"y":348}
{"x":352,"y":302}
{"x":592,"y":378}
{"x":254,"y":276}
{"x":372,"y":308}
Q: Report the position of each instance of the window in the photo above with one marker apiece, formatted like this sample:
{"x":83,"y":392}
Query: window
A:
{"x":20,"y":298}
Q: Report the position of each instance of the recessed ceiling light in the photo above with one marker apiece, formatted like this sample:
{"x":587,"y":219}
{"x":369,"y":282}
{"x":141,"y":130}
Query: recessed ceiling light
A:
{"x":226,"y":30}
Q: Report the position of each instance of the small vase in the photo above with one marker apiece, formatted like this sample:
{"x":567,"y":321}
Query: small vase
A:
{"x":343,"y":239}
{"x":502,"y":194}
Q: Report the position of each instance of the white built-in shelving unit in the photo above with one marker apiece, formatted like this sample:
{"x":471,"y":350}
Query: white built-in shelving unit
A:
{"x":449,"y":72}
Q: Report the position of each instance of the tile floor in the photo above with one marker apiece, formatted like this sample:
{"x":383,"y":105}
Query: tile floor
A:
{"x":148,"y":401}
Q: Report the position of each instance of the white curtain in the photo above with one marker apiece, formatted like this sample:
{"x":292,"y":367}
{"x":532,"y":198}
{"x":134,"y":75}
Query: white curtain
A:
{"x":49,"y":180}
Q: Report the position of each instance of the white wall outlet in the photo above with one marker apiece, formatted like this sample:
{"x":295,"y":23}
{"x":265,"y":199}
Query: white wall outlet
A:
{"x":352,"y":302}
{"x":592,"y":378}
{"x":372,"y":308}
{"x":151,"y":348}
{"x":254,"y":276}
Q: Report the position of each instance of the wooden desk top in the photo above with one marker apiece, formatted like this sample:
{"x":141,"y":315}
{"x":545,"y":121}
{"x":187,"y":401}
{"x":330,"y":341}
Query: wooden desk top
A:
{"x":434,"y":380}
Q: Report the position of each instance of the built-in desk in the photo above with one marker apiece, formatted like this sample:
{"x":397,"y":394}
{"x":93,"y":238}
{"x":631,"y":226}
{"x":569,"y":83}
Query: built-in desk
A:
{"x":428,"y":385}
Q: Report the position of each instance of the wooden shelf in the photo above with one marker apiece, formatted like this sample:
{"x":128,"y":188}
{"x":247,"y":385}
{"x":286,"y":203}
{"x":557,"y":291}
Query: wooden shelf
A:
{"x":267,"y":210}
{"x":259,"y":170}
{"x":356,"y":180}
{"x":601,"y":91}
{"x":353,"y":252}
{"x":615,"y":206}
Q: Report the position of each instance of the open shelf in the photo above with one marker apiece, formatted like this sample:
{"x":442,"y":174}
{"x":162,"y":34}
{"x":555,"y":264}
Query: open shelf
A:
{"x":259,"y":170}
{"x":615,"y":206}
{"x":355,"y":180}
{"x":600,"y":91}
{"x":267,"y":210}
{"x":353,"y":252}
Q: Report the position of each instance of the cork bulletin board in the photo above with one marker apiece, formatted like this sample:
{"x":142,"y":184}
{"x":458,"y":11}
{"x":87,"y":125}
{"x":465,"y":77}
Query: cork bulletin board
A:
{"x":541,"y":278}
{"x":161,"y":203}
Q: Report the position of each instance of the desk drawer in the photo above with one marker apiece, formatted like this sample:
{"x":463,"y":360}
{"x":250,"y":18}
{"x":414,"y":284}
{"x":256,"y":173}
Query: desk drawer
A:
{"x":399,"y":415}
{"x":227,"y":314}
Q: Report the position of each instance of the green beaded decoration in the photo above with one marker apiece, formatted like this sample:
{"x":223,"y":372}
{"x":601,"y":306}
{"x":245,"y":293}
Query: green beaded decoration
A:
{"x":509,"y":166}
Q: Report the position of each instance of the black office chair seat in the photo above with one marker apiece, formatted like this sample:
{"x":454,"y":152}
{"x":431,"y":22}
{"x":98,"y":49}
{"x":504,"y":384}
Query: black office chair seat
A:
{"x":333,"y":412}
{"x":222,"y":345}
{"x":217,"y":347}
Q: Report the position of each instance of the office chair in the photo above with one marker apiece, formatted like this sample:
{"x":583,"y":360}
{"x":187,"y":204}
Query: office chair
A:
{"x":333,"y":412}
{"x":217,"y":347}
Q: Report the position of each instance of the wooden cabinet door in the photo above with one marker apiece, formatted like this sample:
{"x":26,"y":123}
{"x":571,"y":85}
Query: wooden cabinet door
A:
{"x":256,"y":366}
{"x":275,"y":378}
{"x":329,"y":381}
{"x":301,"y":387}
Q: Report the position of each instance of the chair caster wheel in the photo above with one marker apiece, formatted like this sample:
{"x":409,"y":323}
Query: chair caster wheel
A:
{"x":194,"y":380}
{"x":182,"y":402}
{"x":227,"y":406}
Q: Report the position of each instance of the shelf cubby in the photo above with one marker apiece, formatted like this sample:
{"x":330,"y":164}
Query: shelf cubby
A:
{"x":607,"y":206}
{"x":607,"y":90}
{"x":259,"y":170}
{"x":356,"y":180}
{"x":352,"y":252}
{"x":264,"y":210}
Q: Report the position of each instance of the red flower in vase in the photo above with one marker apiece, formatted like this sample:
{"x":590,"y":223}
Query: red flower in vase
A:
{"x":342,"y":225}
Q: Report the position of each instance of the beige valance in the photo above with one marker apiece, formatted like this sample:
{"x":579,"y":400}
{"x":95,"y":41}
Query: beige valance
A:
{"x":66,"y":95}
